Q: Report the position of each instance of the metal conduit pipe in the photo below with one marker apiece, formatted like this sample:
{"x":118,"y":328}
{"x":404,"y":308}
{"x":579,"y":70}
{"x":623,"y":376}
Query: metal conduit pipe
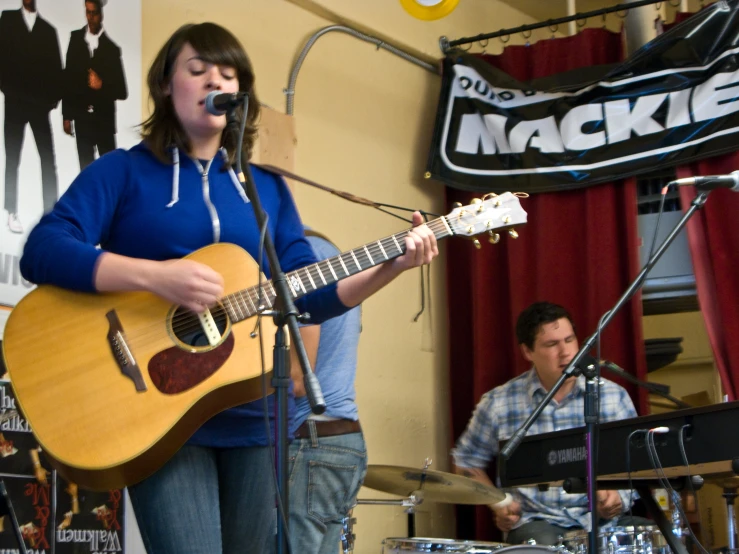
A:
{"x":290,"y":90}
{"x":572,"y":10}
{"x":639,"y":27}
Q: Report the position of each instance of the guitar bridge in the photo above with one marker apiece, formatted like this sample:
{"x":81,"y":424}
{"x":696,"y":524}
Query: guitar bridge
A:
{"x":122,"y":353}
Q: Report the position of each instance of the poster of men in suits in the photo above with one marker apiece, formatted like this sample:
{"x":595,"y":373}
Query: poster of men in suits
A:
{"x":70,"y":91}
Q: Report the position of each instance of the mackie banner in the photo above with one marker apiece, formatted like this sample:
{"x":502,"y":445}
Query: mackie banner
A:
{"x":674,"y":100}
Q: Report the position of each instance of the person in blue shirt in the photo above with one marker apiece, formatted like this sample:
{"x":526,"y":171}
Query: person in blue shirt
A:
{"x":329,"y":448}
{"x":547,"y":339}
{"x":124,"y":225}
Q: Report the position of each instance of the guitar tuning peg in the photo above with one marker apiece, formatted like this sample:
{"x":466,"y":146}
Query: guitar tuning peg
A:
{"x":457,"y":205}
{"x":494,"y":238}
{"x":476,"y":201}
{"x":477,"y":244}
{"x":512,"y":233}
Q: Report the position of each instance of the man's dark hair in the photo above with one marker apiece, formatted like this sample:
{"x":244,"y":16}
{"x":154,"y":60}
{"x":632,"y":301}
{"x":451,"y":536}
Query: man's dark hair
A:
{"x":532,"y":318}
{"x":96,"y":2}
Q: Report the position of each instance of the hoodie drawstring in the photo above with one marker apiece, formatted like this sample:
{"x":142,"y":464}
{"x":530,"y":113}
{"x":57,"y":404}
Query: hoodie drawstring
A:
{"x":175,"y":177}
{"x":234,"y":179}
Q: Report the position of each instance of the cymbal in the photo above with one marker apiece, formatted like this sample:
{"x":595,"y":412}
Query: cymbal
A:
{"x":436,"y":486}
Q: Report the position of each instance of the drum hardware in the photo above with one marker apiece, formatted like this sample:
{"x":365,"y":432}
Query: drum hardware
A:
{"x":638,"y":539}
{"x":419,"y":485}
{"x":425,"y":544}
{"x":730,"y":486}
{"x":347,"y":532}
{"x":409,"y":503}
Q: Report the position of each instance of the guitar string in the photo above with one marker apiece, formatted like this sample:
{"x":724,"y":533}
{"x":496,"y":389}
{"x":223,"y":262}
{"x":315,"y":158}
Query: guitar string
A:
{"x":187,"y":322}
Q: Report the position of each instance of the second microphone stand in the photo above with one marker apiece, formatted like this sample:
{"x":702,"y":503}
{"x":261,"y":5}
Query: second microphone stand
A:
{"x":580,"y":363}
{"x":285,"y":313}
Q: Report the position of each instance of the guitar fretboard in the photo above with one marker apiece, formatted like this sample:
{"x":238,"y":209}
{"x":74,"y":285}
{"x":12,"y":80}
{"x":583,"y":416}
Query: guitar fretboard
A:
{"x":248,"y":302}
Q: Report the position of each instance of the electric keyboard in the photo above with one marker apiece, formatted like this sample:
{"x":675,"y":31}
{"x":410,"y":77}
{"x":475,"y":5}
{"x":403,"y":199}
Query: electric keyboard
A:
{"x":711,"y":441}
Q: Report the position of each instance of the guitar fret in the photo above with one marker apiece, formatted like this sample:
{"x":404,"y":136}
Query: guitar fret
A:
{"x":446,"y":224}
{"x":236,"y":306}
{"x":310,"y":278}
{"x":320,"y":273}
{"x":369,"y":255}
{"x":355,"y":260}
{"x":341,"y":260}
{"x":253,"y":305}
{"x":397,"y":245}
{"x":291,"y":284}
{"x":254,"y":296}
{"x":379,"y":243}
{"x":331,"y":269}
{"x":230,"y":309}
{"x":376,"y":252}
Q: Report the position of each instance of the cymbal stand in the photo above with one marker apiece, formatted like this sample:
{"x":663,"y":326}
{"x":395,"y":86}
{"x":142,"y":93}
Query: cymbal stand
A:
{"x":730,"y":494}
{"x":409,"y":503}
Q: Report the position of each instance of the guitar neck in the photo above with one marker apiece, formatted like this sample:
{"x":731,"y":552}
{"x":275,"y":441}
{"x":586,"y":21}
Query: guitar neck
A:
{"x":248,"y":302}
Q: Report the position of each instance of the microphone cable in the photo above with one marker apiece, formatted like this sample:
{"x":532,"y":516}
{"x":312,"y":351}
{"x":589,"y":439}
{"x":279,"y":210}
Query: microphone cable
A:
{"x":664,"y":481}
{"x":631,"y":486}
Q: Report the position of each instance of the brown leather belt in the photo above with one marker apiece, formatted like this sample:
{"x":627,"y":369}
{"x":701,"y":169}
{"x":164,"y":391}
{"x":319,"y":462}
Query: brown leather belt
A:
{"x":329,"y":428}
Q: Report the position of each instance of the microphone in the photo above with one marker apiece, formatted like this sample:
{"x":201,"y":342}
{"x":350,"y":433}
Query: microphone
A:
{"x":218,"y":103}
{"x":710,"y":182}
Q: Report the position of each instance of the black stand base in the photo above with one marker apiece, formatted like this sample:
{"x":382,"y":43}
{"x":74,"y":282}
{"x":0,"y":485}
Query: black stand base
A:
{"x":6,"y":509}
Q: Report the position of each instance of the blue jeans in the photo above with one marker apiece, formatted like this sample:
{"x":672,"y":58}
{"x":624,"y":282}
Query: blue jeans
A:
{"x":326,"y":474}
{"x":208,"y":500}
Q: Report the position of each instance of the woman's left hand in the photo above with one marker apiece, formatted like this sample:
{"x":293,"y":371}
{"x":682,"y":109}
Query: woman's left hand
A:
{"x":420,"y":246}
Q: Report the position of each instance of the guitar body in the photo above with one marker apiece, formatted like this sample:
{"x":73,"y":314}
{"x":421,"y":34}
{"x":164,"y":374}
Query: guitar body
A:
{"x":100,"y":429}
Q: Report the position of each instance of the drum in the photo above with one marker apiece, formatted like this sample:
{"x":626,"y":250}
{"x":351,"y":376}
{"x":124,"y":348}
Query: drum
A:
{"x":421,"y":544}
{"x":640,"y":539}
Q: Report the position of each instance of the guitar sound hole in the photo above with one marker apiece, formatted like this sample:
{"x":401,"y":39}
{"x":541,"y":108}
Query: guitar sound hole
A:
{"x":188,"y":328}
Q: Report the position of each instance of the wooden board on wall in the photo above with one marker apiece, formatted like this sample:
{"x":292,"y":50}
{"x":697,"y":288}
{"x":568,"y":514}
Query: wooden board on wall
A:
{"x":276,"y":141}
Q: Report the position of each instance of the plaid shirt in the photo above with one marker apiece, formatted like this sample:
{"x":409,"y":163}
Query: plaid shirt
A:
{"x":504,"y":409}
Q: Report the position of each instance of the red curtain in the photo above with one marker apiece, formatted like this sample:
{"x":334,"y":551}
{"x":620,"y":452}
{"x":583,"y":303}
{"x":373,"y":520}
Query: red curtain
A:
{"x":579,"y":250}
{"x":713,"y":238}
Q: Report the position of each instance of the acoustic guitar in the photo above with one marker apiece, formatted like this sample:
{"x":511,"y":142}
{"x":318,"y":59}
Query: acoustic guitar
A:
{"x":113,"y":384}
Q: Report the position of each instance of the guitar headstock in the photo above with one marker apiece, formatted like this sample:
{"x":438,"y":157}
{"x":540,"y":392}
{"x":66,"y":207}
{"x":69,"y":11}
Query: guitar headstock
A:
{"x":486,"y":215}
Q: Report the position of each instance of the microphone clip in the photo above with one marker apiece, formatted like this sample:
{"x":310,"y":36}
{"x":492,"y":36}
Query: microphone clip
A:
{"x":587,"y":366}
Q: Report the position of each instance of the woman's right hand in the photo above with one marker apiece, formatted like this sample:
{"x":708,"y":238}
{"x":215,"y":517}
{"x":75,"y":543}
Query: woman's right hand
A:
{"x":188,"y":283}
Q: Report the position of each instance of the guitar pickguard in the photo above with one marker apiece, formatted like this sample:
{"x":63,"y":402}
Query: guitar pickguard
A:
{"x":175,"y":370}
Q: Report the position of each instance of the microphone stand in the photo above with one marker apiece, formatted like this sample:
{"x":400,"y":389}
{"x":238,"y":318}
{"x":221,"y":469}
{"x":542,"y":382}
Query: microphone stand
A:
{"x":285,"y":313}
{"x":653,"y":388}
{"x":591,"y":395}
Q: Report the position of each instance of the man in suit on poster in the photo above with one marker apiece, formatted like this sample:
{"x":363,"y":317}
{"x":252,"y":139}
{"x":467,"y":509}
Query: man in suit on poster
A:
{"x":31,"y":80}
{"x":94,"y":80}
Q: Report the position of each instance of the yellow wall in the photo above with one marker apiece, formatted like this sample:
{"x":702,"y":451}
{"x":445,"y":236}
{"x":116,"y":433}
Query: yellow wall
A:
{"x":364,"y":119}
{"x":693,"y":372}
